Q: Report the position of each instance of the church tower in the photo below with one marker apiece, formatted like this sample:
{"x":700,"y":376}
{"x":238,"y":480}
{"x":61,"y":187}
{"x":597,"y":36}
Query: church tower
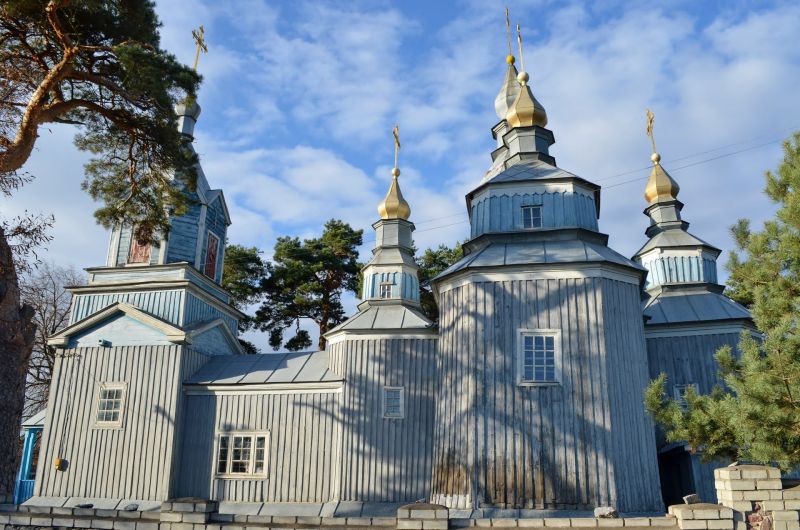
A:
{"x":687,"y":319}
{"x":387,"y":354}
{"x":542,"y":362}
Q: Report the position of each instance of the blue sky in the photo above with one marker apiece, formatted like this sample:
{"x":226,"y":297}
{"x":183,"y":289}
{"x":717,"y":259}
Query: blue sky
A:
{"x":299,"y":99}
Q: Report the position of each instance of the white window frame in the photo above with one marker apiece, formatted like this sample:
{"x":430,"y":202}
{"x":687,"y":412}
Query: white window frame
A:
{"x":115,"y":424}
{"x":679,"y":392}
{"x":250,"y":473}
{"x":527,"y":207}
{"x":385,"y":413}
{"x":522,"y":333}
{"x":380,"y":290}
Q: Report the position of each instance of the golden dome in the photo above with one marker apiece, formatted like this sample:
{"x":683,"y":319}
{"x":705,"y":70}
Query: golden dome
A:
{"x":394,"y":206}
{"x":660,"y":186}
{"x":526,"y":111}
{"x":508,"y":92}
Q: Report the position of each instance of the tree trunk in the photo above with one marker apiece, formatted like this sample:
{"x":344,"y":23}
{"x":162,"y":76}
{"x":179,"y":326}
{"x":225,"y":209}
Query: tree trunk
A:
{"x":17,"y":333}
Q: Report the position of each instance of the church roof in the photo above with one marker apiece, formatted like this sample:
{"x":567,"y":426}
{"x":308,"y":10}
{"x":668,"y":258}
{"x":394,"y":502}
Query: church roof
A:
{"x":384,"y":316}
{"x":270,"y":368}
{"x":676,"y":304}
{"x":525,"y":251}
{"x":677,"y":238}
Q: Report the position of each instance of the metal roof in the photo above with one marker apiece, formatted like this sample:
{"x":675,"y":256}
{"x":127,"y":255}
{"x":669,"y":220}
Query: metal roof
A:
{"x":384,"y":316}
{"x":37,"y":420}
{"x":268,"y":368}
{"x":684,"y":303}
{"x":675,"y":238}
{"x":529,"y":170}
{"x":538,"y":252}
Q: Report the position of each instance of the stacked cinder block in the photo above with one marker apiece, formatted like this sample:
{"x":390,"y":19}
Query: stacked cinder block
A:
{"x":422,"y":516}
{"x":183,"y":514}
{"x":661,"y":523}
{"x":758,"y":493}
{"x":702,"y":516}
{"x":65,"y":517}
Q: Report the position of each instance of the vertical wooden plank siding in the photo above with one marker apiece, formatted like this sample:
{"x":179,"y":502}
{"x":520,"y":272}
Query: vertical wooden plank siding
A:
{"x":302,"y":446}
{"x":504,"y":445}
{"x":127,"y":462}
{"x":165,"y":305}
{"x":386,"y":460}
{"x":689,"y":359}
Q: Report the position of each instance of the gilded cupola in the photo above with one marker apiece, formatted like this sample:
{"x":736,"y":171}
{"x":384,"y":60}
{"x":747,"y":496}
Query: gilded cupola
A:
{"x":525,"y":110}
{"x":660,"y":186}
{"x":394,"y":206}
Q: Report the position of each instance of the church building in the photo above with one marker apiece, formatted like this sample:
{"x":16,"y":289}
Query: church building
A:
{"x":525,"y":395}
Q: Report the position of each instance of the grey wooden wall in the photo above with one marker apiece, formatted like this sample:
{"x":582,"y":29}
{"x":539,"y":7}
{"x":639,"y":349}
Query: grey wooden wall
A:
{"x":386,"y":460}
{"x":132,"y":461}
{"x":583,"y":443}
{"x":303,"y":446}
{"x":686,"y":359}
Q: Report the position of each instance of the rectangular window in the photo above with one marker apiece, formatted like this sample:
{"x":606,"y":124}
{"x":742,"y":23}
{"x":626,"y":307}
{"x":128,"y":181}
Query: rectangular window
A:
{"x":531,"y":217}
{"x":242,"y":454}
{"x":679,"y":393}
{"x":393,"y":402}
{"x":538,"y":358}
{"x":138,"y":253}
{"x":386,"y":290}
{"x":110,"y":400}
{"x":212,"y":250}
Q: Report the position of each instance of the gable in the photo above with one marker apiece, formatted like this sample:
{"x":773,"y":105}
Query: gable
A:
{"x":118,"y":330}
{"x":214,"y":341}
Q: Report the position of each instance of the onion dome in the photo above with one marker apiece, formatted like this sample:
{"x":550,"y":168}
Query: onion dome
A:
{"x":660,"y":186}
{"x":394,"y":206}
{"x":525,"y":111}
{"x":508,"y":92}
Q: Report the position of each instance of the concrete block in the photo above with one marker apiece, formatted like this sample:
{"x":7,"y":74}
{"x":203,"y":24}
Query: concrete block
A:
{"x":39,"y":509}
{"x":583,"y":522}
{"x":182,"y":526}
{"x":739,"y":485}
{"x":706,"y":514}
{"x":335,"y":521}
{"x":259,"y":519}
{"x":792,"y":494}
{"x":483,"y":522}
{"x":442,"y":513}
{"x":122,"y":524}
{"x":284,"y":520}
{"x":58,"y":510}
{"x":104,"y":524}
{"x":99,"y":512}
{"x":755,"y":472}
{"x":376,"y":521}
{"x":606,"y":523}
{"x":66,"y":522}
{"x":557,"y":522}
{"x":792,"y":505}
{"x":692,"y":524}
{"x":727,"y":473}
{"x":740,"y":506}
{"x":434,"y":524}
{"x":785,"y":515}
{"x":772,"y":505}
{"x":164,"y":526}
{"x":166,"y":506}
{"x":195,"y":517}
{"x":408,"y":524}
{"x":725,"y":513}
{"x":504,"y":522}
{"x":530,"y":523}
{"x":423,"y":514}
{"x":171,"y":517}
{"x":663,"y":521}
{"x":4,"y":519}
{"x":756,"y":495}
{"x":19,"y":519}
{"x":41,"y":520}
{"x":403,"y":513}
{"x":636,"y":521}
{"x":207,"y":507}
{"x":351,"y":521}
{"x":207,"y":527}
{"x":146,"y":525}
{"x":721,"y":524}
{"x":182,"y":507}
{"x":84,"y":512}
{"x":151,"y":516}
{"x":221,"y":517}
{"x":769,"y":484}
{"x":130,"y":515}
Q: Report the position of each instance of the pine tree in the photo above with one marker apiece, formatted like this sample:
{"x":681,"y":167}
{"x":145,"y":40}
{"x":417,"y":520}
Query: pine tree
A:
{"x":756,"y":415}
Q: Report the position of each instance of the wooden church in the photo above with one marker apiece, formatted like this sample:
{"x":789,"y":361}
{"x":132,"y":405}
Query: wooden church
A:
{"x":526,"y":395}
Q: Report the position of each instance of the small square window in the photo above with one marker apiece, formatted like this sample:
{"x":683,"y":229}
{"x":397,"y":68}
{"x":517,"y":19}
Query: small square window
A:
{"x":110,"y":400}
{"x":679,"y":393}
{"x":393,"y":402}
{"x":531,"y":217}
{"x":386,"y":290}
{"x":538,"y":358}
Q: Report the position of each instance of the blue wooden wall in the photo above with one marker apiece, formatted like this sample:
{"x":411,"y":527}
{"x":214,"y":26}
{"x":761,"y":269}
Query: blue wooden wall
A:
{"x":679,"y":269}
{"x":183,"y":235}
{"x":503,"y":213}
{"x":404,"y":285}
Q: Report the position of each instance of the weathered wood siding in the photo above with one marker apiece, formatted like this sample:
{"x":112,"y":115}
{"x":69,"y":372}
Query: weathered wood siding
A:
{"x":197,"y":310}
{"x":386,"y":460}
{"x":130,"y":462}
{"x":303,"y":446}
{"x":182,"y":244}
{"x":165,"y":305}
{"x":564,"y":446}
{"x":689,"y":359}
{"x":503,"y":213}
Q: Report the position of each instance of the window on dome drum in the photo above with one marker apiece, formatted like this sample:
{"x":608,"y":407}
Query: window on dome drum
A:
{"x":110,"y":400}
{"x":210,"y":268}
{"x":538,"y":357}
{"x":386,"y":290}
{"x":393,"y":402}
{"x":679,"y":393}
{"x":531,"y":217}
{"x":242,"y":454}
